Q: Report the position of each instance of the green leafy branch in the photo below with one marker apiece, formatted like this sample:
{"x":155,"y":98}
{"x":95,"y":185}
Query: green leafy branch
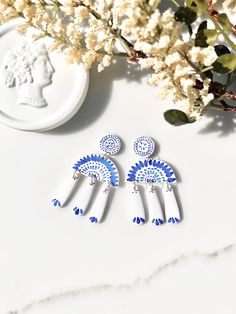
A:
{"x":187,"y":14}
{"x":225,"y":64}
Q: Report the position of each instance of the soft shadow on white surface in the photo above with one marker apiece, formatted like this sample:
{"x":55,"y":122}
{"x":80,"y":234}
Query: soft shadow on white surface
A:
{"x":221,"y":122}
{"x":99,"y":94}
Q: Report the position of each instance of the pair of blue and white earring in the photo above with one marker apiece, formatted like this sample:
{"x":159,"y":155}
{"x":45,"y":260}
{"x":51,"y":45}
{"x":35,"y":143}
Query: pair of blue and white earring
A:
{"x":153,"y":173}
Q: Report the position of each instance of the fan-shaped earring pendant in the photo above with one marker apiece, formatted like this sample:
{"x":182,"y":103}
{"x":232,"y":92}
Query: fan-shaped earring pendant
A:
{"x":153,"y":173}
{"x":97,"y":167}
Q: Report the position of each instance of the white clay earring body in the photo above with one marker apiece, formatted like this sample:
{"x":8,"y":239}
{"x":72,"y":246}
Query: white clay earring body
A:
{"x":171,"y":206}
{"x":136,"y":206}
{"x":66,"y":190}
{"x":97,"y":210}
{"x":154,"y":206}
{"x":83,"y":197}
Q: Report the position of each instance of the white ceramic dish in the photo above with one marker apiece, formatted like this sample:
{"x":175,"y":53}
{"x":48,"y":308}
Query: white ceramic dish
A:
{"x":39,"y":90}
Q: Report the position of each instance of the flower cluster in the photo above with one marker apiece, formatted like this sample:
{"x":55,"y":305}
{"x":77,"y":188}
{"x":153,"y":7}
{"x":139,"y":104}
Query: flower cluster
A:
{"x":182,"y":56}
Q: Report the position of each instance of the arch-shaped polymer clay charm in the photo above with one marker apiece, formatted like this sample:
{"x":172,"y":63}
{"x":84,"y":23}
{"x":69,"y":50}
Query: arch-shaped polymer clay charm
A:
{"x":152,"y":173}
{"x":98,"y":168}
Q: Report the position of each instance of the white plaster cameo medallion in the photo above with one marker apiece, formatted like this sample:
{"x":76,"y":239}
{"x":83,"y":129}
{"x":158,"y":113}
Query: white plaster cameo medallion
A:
{"x":28,"y":68}
{"x":39,"y":90}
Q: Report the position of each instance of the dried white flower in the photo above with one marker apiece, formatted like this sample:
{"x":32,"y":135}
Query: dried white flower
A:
{"x":89,"y":31}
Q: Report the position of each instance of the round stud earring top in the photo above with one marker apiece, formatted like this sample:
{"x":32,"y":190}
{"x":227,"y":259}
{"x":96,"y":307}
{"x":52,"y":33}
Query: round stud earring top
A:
{"x":144,"y":146}
{"x":110,"y":144}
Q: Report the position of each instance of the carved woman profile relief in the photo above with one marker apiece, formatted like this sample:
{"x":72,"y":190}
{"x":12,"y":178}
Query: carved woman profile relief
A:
{"x":28,"y":68}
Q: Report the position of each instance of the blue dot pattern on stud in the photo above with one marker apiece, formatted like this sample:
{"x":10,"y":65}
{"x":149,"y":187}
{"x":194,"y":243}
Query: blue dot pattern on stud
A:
{"x":151,"y":171}
{"x":110,"y":144}
{"x":99,"y":167}
{"x":144,"y":146}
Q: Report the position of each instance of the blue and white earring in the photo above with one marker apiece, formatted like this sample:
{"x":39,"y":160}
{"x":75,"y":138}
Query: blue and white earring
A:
{"x":98,"y":167}
{"x":153,"y":173}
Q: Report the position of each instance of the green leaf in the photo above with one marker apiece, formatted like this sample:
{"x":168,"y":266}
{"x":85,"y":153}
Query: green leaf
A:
{"x":211,"y":36}
{"x":225,"y":63}
{"x":221,"y":50}
{"x":176,"y":117}
{"x":202,"y":26}
{"x":206,"y":37}
{"x":224,"y":21}
{"x":185,"y":15}
{"x":209,"y":74}
{"x":218,"y":85}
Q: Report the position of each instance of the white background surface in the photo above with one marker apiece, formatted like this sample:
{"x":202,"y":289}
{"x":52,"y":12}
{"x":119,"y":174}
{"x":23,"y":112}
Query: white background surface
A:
{"x":55,"y":262}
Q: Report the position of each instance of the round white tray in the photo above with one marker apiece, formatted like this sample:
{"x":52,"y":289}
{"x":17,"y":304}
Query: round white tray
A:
{"x":39,"y":90}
